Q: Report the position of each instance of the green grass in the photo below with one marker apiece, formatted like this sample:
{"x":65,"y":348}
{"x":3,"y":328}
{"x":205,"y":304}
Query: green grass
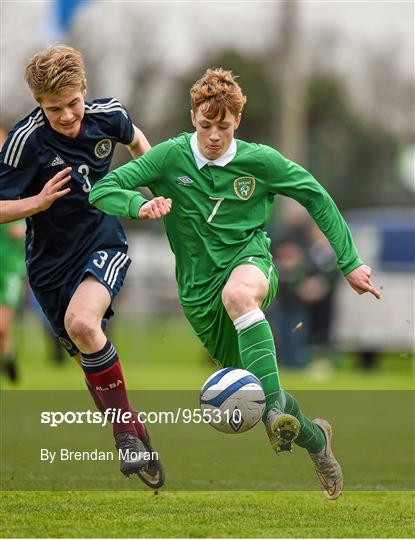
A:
{"x":163,"y":355}
{"x":207,"y":514}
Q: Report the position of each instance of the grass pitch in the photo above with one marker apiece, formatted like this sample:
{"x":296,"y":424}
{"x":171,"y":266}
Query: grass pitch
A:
{"x":165,"y":355}
{"x":204,"y":515}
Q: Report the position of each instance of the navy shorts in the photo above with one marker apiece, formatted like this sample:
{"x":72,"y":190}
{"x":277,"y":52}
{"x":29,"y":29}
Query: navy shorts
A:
{"x":108,"y":266}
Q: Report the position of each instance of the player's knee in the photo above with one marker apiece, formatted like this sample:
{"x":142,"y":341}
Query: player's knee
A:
{"x":80,"y":327}
{"x":237,"y":299}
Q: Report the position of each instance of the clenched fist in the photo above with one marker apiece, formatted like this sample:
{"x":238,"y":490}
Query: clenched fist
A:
{"x":155,"y":209}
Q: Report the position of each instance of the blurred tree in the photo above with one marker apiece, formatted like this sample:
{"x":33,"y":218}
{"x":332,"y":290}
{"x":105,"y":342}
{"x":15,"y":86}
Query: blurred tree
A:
{"x":286,"y":72}
{"x":353,"y":158}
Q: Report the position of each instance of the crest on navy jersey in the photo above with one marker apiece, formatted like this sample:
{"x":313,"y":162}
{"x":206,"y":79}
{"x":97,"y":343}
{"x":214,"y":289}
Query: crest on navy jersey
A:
{"x":103,"y":148}
{"x":244,"y":187}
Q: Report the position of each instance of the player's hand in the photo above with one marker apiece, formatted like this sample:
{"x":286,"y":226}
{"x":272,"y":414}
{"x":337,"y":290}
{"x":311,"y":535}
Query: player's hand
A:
{"x":359,"y":279}
{"x":155,"y":209}
{"x":52,"y":190}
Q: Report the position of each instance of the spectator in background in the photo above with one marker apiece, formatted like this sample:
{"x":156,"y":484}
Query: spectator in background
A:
{"x":288,"y":314}
{"x":301,"y":315}
{"x":318,"y":289}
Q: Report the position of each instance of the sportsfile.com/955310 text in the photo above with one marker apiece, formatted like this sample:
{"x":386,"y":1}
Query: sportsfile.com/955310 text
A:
{"x":180,"y":415}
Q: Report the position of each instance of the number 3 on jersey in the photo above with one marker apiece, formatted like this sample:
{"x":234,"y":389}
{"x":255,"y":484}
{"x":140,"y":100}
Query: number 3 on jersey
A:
{"x":84,"y":172}
{"x":103,"y":256}
{"x":216,"y":207}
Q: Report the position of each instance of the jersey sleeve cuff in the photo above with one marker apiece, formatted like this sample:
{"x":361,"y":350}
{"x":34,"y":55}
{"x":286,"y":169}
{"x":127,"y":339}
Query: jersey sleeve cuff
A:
{"x":136,"y":203}
{"x":351,"y":266}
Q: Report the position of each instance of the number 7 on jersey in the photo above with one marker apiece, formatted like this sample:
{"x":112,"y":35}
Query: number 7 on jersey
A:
{"x":216,"y":207}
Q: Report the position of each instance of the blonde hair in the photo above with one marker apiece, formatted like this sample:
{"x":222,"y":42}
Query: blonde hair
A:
{"x":217,"y":92}
{"x":55,"y":69}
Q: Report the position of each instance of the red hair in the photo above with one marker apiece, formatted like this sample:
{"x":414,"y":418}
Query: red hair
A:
{"x":217,"y":92}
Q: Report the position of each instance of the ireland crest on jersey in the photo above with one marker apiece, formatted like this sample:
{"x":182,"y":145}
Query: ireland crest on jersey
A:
{"x":244,"y":187}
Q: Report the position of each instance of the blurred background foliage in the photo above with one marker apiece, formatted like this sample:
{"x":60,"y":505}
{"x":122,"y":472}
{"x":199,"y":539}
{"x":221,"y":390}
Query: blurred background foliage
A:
{"x":329,"y":85}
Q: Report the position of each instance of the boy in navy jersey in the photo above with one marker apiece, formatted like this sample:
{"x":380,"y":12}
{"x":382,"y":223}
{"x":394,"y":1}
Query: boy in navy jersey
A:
{"x":76,"y":255}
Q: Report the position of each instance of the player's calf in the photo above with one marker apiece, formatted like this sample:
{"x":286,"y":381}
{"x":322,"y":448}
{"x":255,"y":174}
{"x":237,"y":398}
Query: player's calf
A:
{"x":135,"y":451}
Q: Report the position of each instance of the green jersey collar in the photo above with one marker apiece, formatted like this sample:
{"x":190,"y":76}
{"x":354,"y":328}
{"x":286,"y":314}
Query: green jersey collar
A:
{"x":201,"y":160}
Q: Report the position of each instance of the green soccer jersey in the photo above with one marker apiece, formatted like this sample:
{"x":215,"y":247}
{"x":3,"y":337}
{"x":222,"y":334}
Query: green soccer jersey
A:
{"x":11,"y":250}
{"x":219,"y":212}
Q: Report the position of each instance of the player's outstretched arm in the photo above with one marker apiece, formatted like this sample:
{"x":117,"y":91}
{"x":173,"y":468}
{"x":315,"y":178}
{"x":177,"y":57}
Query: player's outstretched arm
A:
{"x":359,"y":280}
{"x":22,"y":208}
{"x":139,"y":145}
{"x":155,"y":209}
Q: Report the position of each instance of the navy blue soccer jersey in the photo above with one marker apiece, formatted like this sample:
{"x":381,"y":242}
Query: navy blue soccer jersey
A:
{"x":60,"y":239}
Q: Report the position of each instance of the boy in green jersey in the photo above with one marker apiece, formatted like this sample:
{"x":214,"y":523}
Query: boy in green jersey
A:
{"x":216,"y":195}
{"x":12,"y":273}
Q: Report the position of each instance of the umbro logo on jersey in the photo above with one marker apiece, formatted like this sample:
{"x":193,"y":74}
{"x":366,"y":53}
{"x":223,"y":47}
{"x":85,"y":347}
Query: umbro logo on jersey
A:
{"x":57,"y":161}
{"x":185,"y":181}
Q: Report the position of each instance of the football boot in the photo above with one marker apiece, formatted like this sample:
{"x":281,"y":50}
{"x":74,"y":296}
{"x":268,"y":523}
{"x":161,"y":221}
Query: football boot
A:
{"x":327,"y":467}
{"x":131,"y":453}
{"x":282,"y":430}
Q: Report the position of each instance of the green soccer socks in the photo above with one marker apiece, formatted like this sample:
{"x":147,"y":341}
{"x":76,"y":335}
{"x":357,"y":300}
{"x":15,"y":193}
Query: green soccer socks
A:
{"x":257,"y":354}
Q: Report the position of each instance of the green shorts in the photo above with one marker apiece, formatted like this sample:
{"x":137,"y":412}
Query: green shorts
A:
{"x":212,"y":324}
{"x":11,"y":285}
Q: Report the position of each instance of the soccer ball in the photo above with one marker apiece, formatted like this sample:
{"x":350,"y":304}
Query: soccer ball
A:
{"x":232,"y":400}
